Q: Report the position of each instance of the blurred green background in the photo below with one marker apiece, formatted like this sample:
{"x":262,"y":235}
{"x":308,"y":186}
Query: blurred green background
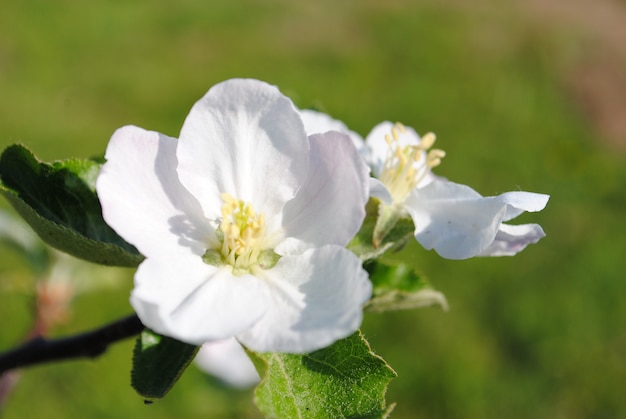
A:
{"x":523,"y":95}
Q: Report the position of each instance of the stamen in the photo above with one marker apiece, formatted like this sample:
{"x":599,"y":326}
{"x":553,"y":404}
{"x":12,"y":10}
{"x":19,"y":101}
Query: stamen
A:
{"x":405,"y":167}
{"x":243,"y":231}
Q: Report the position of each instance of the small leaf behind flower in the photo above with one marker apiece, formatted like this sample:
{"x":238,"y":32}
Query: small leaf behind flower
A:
{"x":158,"y":362}
{"x":345,"y":380}
{"x":59,"y":202}
{"x":400,"y":288}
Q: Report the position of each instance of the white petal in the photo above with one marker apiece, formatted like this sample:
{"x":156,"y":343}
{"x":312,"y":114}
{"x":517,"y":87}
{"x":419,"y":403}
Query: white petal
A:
{"x":318,"y":123}
{"x":330,"y":206}
{"x":247,"y":139}
{"x":457,"y":221}
{"x":512,"y":239}
{"x":141,"y":197}
{"x":380,"y":191}
{"x":184,"y":298}
{"x":519,"y":202}
{"x":316,"y":299}
{"x":227,"y":360}
{"x":378,"y":147}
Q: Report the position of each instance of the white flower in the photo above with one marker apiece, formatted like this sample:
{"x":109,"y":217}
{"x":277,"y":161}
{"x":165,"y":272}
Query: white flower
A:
{"x":243,"y":222}
{"x":451,"y":218}
{"x":227,"y":360}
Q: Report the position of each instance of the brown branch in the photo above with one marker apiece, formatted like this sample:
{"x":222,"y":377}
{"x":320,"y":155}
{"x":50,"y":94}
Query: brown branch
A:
{"x":85,"y":345}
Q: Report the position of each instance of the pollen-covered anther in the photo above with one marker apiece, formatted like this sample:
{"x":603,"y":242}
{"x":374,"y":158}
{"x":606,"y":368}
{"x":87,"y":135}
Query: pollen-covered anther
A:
{"x":427,"y":141}
{"x":434,"y":158}
{"x":243,"y":231}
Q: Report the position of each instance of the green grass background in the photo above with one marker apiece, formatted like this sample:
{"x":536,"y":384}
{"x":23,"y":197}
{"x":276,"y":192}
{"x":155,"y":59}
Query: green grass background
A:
{"x":540,"y":335}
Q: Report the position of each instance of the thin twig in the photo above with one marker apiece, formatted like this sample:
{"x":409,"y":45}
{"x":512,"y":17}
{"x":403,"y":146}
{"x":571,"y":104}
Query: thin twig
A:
{"x":85,"y":345}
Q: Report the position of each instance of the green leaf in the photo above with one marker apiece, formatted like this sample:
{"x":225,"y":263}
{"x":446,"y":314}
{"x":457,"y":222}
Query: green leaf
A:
{"x":345,"y":380}
{"x":400,"y":288}
{"x":362,"y":244}
{"x":158,"y":362}
{"x":59,"y":202}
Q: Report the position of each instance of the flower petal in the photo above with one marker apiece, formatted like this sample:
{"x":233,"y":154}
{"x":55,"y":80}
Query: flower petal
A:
{"x":519,"y":202}
{"x":246,"y":139}
{"x":380,"y":191}
{"x":186,"y":299}
{"x":330,"y":206}
{"x":318,"y":123}
{"x":512,"y":239}
{"x":316,"y":299}
{"x":227,"y":360}
{"x":458,"y":222}
{"x":141,"y":197}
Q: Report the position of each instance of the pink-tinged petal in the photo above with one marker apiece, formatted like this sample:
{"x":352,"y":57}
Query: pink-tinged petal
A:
{"x":318,"y":123}
{"x":378,"y":147}
{"x":316,"y":299}
{"x":330,"y":206}
{"x":246,"y":139}
{"x":512,"y":239}
{"x":142,"y":199}
{"x":457,"y":221}
{"x":227,"y":360}
{"x":186,"y":299}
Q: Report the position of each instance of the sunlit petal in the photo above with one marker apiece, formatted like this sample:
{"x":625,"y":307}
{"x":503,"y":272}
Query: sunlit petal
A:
{"x":241,"y":137}
{"x":326,"y":211}
{"x":142,"y":198}
{"x":189,"y":300}
{"x":316,"y":299}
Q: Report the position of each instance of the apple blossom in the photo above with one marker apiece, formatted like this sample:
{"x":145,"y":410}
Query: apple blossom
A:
{"x":243,"y":222}
{"x":449,"y":217}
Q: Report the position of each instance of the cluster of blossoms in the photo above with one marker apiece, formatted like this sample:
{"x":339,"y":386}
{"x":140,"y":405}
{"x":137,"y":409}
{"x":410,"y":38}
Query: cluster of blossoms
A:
{"x":244,"y":219}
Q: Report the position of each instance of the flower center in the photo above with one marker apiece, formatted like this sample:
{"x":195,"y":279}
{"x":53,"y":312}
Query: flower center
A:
{"x":406,"y":166}
{"x":243,"y":231}
{"x":244,"y":244}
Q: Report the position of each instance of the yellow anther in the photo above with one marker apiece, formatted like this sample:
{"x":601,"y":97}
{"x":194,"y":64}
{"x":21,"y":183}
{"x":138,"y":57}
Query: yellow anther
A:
{"x":242,"y":231}
{"x":395,"y":134}
{"x":436,"y":153}
{"x":427,"y":141}
{"x":434,"y":157}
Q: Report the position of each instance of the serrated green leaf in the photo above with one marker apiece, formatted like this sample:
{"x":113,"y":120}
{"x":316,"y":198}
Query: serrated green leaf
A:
{"x":59,"y":202}
{"x":158,"y":362}
{"x":400,"y":288}
{"x":362,"y":244}
{"x":345,"y":380}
